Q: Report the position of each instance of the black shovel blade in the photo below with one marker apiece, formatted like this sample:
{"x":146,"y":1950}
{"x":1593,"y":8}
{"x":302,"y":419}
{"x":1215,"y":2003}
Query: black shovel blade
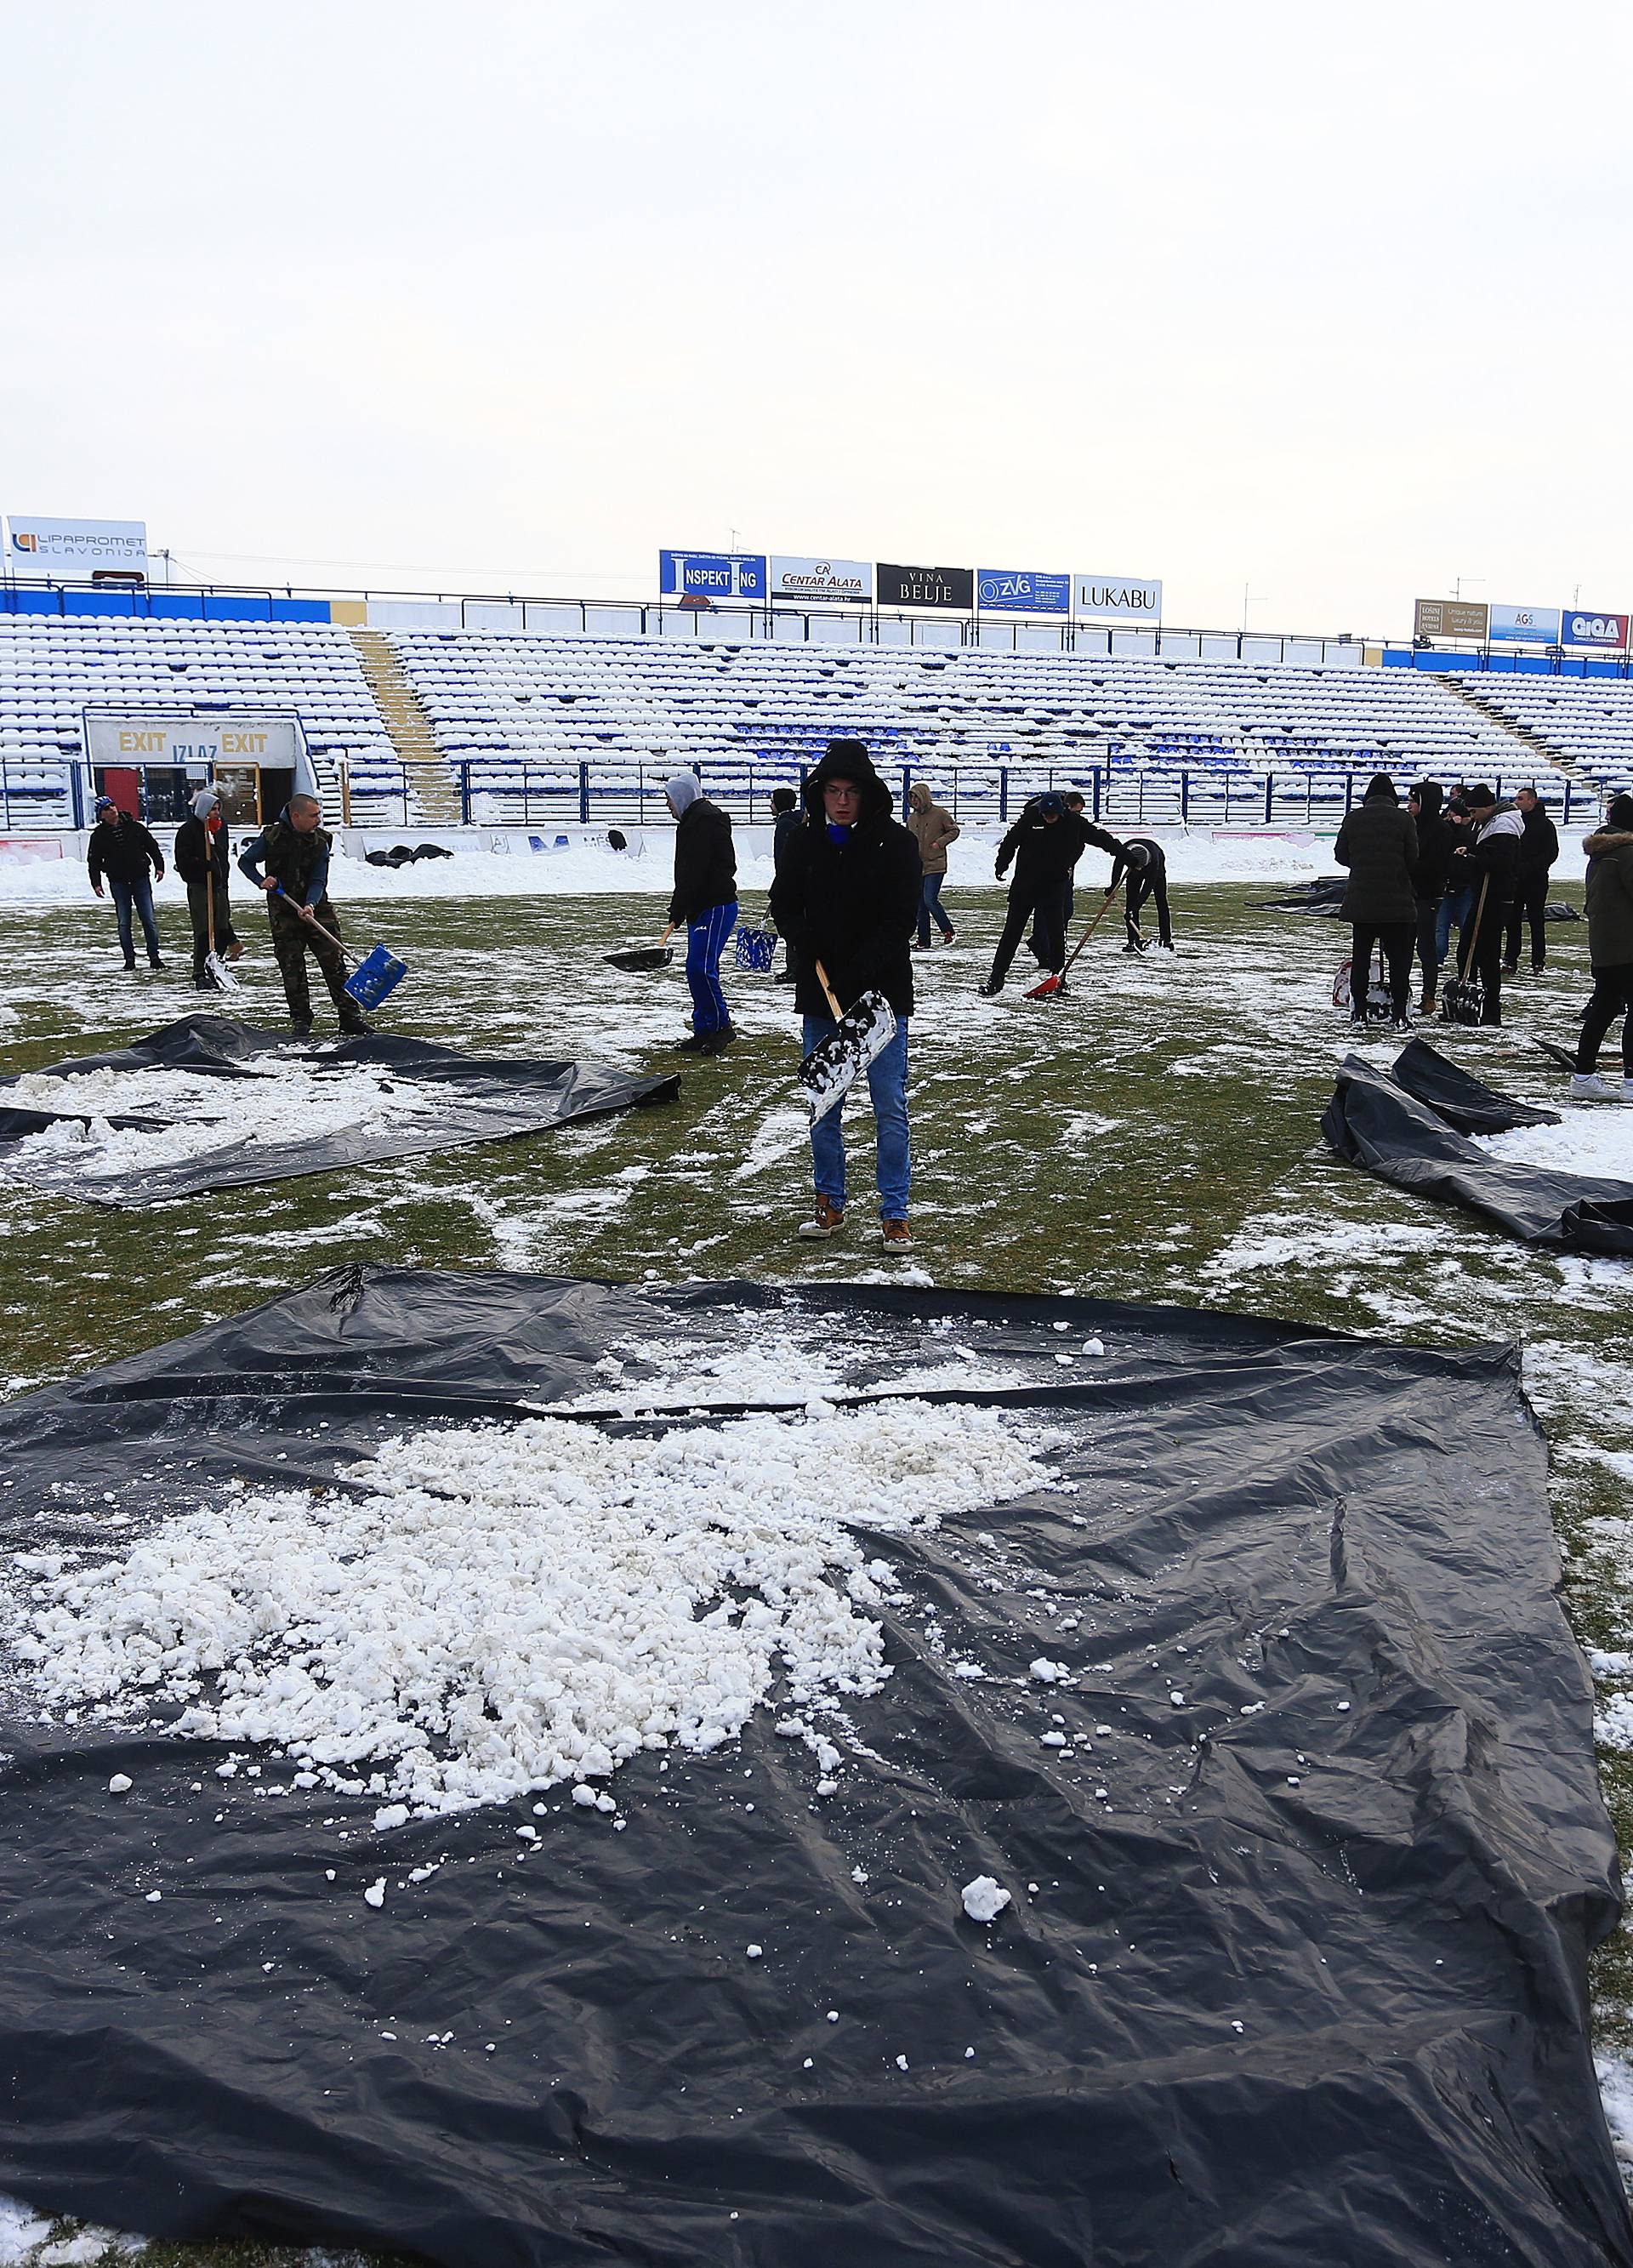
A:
{"x":640,"y":957}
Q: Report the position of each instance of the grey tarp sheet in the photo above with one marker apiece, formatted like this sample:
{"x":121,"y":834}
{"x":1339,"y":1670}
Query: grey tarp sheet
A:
{"x":1305,"y":1984}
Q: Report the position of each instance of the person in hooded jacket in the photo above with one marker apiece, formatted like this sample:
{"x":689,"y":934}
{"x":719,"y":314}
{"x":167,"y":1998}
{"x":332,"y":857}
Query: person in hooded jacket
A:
{"x":1378,"y":842}
{"x":1489,"y":867}
{"x":1145,"y":863}
{"x":1609,"y":896}
{"x":202,"y":862}
{"x":1538,"y":848}
{"x":1045,"y":844}
{"x":1436,"y":839}
{"x":705,"y":899}
{"x":932,"y":829}
{"x":847,"y":896}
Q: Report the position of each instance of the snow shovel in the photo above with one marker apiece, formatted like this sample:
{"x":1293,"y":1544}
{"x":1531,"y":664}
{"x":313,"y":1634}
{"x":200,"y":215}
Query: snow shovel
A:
{"x":835,"y":1064}
{"x":376,"y":976}
{"x":1053,"y":984}
{"x":217,"y":969}
{"x":640,"y":957}
{"x":1463,"y":1001}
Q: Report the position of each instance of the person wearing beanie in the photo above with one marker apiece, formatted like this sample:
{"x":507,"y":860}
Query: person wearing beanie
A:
{"x":122,"y":850}
{"x":200,"y":857}
{"x":1489,"y":864}
{"x":1538,"y":848}
{"x":1145,"y":863}
{"x":1378,"y":842}
{"x":1045,"y":844}
{"x":932,"y":829}
{"x":1436,"y":839}
{"x":1610,"y":951}
{"x":847,"y":895}
{"x":705,"y":899}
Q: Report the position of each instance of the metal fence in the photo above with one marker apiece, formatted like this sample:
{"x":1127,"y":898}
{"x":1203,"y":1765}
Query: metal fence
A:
{"x":39,"y":798}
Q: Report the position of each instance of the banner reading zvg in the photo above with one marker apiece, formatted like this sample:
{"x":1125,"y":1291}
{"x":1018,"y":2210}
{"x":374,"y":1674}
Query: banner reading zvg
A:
{"x":1022,"y":591}
{"x":952,"y":587}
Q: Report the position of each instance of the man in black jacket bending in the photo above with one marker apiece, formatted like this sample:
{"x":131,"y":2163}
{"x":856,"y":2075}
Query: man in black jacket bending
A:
{"x":705,"y":899}
{"x":846,"y":897}
{"x":1045,"y":842}
{"x":1538,"y":848}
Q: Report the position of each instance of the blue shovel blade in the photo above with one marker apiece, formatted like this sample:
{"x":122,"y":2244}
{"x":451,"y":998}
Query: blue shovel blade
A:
{"x":375,"y":977}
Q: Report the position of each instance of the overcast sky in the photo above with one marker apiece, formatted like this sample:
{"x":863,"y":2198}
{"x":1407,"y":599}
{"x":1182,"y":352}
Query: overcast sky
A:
{"x":1330,"y":303}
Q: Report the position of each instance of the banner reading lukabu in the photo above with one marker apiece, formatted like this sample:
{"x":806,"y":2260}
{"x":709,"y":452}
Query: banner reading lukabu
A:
{"x":1022,"y":591}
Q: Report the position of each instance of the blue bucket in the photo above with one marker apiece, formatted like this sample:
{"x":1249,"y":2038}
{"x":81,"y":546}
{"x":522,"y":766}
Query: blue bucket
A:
{"x":375,"y":977}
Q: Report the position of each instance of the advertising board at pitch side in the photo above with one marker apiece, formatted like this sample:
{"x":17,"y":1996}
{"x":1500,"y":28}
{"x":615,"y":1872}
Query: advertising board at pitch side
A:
{"x":1131,"y":598}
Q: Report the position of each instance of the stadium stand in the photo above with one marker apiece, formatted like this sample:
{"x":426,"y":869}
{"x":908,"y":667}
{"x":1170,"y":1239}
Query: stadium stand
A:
{"x":1587,"y":725}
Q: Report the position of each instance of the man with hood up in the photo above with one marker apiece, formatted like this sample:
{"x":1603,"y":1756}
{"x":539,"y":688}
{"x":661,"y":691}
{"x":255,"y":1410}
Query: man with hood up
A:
{"x":847,"y":895}
{"x":295,"y":853}
{"x":1488,"y":866}
{"x":705,"y":899}
{"x":1045,"y":844}
{"x":932,"y":829}
{"x":1436,"y":839}
{"x":202,"y":863}
{"x":1379,"y":844}
{"x":1610,"y":950}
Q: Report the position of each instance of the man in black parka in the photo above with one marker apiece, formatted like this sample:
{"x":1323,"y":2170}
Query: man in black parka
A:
{"x":846,"y":896}
{"x":1378,"y":842}
{"x":1045,"y":844}
{"x":1538,"y":848}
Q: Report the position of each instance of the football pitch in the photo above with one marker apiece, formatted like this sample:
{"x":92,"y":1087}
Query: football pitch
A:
{"x":1150,"y":1136}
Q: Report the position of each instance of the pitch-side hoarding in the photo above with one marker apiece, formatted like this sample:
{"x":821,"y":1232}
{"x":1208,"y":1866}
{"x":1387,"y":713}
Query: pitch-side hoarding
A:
{"x":712,"y":578}
{"x":821,"y":582}
{"x":1524,"y":626}
{"x":952,"y":587}
{"x":73,"y":550}
{"x":1022,"y":591}
{"x":1595,"y":626}
{"x":1128,"y":598}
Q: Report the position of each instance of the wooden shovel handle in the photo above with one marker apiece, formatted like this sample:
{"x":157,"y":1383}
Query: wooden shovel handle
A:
{"x":829,"y":991}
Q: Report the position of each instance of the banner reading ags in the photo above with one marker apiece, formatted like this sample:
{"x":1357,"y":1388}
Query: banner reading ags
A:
{"x":1524,"y":625}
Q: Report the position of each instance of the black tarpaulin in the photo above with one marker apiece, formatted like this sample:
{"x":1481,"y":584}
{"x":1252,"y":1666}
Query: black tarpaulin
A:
{"x":1374,"y":1121}
{"x":1456,"y":1095}
{"x":1302,"y":1977}
{"x":466,"y":1099}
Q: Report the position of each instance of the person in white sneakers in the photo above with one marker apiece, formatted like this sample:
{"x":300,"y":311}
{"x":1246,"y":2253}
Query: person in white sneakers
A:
{"x":1610,"y":951}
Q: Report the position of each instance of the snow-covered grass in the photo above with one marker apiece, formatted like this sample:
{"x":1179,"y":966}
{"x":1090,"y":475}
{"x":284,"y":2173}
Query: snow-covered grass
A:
{"x":1150,"y":1136}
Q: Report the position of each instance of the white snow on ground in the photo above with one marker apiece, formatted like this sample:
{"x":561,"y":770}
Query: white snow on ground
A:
{"x":1592,"y":1138}
{"x":207,"y":1115}
{"x":502,"y":1608}
{"x":1616,"y":2089}
{"x":771,"y":1366}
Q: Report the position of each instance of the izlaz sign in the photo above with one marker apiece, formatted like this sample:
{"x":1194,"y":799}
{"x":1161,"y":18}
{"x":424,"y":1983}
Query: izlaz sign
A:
{"x":928,"y":586}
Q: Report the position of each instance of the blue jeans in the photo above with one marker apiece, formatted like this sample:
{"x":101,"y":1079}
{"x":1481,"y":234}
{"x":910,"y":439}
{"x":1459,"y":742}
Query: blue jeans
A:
{"x":1455,"y":908}
{"x":888,"y":1083}
{"x":139,"y":894}
{"x":705,"y":942}
{"x":930,"y":903}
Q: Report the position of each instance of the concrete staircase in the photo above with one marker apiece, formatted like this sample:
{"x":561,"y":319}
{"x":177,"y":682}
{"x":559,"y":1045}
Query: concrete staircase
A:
{"x":1532,"y":742}
{"x":433,"y":795}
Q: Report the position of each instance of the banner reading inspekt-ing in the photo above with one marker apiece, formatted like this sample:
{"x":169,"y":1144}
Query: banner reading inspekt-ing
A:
{"x":821,"y":582}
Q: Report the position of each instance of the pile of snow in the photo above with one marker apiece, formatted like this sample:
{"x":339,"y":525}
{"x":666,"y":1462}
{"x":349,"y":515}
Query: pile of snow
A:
{"x":204,"y":1114}
{"x":1592,"y":1138}
{"x":475,"y":1613}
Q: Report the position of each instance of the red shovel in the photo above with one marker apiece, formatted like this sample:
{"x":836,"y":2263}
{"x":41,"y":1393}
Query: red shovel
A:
{"x":1051,"y":985}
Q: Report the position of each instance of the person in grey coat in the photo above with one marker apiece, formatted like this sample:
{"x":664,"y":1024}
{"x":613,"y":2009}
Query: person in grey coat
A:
{"x":1378,"y":842}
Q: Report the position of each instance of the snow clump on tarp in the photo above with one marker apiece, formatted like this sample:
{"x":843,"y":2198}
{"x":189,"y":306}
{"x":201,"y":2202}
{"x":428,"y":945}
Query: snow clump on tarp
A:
{"x":475,"y":1613}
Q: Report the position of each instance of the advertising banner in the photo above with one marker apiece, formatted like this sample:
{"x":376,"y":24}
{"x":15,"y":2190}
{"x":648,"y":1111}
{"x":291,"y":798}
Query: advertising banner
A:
{"x":710,"y":577}
{"x":1595,"y":626}
{"x":821,"y":582}
{"x":191,"y":742}
{"x":1022,"y":591}
{"x":927,"y":586}
{"x":1524,"y":625}
{"x":1131,"y":598}
{"x":1450,"y":618}
{"x":73,"y":550}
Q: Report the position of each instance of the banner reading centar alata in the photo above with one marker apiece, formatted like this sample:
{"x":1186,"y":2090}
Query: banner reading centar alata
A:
{"x":1133,"y":598}
{"x":821,"y":581}
{"x":73,"y":550}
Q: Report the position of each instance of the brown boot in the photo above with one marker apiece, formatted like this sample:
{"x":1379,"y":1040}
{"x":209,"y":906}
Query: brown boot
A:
{"x":895,"y":1236}
{"x":828,"y":1218}
{"x":1426,"y":1006}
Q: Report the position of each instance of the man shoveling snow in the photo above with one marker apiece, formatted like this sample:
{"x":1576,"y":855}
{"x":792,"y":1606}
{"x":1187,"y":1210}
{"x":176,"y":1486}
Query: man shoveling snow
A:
{"x":295,"y":852}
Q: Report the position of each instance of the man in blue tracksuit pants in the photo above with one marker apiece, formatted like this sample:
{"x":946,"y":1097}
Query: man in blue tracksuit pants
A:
{"x":705,"y":899}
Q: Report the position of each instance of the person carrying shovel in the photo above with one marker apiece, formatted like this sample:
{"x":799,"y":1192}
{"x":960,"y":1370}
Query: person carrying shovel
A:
{"x":846,"y":898}
{"x":202,"y":863}
{"x":295,"y":852}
